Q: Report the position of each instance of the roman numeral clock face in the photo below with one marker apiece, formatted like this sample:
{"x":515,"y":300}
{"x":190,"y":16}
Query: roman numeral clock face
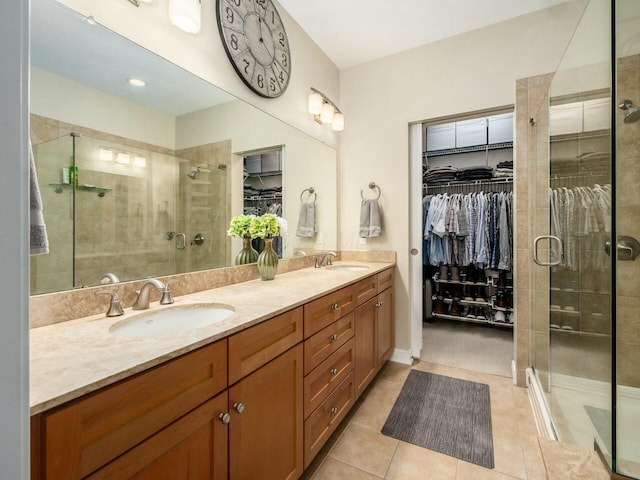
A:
{"x":256,"y":43}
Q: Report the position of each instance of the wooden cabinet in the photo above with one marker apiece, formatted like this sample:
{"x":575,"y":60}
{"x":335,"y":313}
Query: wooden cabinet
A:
{"x":256,"y":405}
{"x":266,"y":406}
{"x":192,"y":448}
{"x":385,"y":328}
{"x":366,"y":361}
{"x":374,"y":330}
{"x":266,"y":428}
{"x":83,"y":436}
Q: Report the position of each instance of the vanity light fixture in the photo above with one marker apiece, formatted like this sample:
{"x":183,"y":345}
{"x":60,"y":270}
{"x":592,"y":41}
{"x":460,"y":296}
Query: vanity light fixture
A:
{"x":185,"y":14}
{"x":324,"y":110}
{"x":136,"y":82}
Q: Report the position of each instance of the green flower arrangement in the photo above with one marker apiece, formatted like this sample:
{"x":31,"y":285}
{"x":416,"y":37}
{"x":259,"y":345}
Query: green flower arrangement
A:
{"x":264,"y":226}
{"x":240,"y":226}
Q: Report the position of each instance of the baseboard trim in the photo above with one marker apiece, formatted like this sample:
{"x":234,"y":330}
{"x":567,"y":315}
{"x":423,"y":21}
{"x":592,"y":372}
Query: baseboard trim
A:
{"x":539,"y":407}
{"x":402,"y":356}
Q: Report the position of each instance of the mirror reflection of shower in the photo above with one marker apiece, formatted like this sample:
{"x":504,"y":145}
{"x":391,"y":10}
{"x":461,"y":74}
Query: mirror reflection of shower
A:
{"x":633,"y":113}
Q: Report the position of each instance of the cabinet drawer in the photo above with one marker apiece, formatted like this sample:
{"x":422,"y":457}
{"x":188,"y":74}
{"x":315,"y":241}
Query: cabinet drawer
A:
{"x":320,"y":313}
{"x":254,"y":347}
{"x":322,"y":380}
{"x":194,"y":447}
{"x":318,"y":347}
{"x":325,"y":419}
{"x":385,"y":279}
{"x":82,"y":437}
{"x":366,"y":289}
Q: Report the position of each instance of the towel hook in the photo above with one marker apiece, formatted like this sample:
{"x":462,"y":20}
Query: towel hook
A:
{"x":312,"y":191}
{"x":372,"y":185}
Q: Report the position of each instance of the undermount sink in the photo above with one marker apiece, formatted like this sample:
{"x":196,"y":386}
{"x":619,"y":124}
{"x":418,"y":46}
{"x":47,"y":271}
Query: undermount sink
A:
{"x":171,"y":320}
{"x":347,"y":268}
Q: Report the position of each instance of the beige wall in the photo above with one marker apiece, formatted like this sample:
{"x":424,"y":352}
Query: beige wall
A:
{"x":477,"y":70}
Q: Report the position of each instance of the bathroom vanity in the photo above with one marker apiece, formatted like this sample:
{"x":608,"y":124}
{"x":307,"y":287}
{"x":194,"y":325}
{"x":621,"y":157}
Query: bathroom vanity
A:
{"x":253,"y":396}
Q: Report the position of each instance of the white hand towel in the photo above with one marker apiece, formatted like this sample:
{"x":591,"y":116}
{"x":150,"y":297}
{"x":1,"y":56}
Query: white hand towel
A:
{"x":307,"y":220}
{"x":370,"y":221}
{"x":38,"y":241}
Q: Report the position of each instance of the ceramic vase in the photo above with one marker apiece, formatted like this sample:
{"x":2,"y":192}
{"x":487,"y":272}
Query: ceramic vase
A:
{"x":248,"y":254}
{"x":268,"y":261}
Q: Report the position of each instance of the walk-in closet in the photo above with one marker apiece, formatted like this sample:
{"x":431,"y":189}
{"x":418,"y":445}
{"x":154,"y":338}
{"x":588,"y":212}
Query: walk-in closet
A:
{"x":467,"y":220}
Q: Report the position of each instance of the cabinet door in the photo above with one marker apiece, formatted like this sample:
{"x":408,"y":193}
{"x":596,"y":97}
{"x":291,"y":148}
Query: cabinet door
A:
{"x":365,"y":345}
{"x":385,"y":327}
{"x":266,"y":429}
{"x":88,"y":433}
{"x":192,"y":448}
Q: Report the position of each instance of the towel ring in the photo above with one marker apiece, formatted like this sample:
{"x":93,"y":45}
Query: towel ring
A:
{"x":372,"y":185}
{"x":312,"y":191}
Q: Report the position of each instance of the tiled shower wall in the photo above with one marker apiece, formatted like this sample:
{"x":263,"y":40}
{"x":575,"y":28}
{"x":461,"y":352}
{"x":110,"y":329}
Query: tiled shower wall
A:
{"x":628,"y":223}
{"x":126,"y":230}
{"x":531,"y":205}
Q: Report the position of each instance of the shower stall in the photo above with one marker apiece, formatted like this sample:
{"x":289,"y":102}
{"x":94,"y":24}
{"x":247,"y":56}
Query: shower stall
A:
{"x":585,"y":330}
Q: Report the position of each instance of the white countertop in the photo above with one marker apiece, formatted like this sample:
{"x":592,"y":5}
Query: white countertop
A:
{"x":70,"y":359}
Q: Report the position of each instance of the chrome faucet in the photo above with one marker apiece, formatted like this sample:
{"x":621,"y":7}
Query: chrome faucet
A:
{"x":325,"y":260}
{"x":109,"y":278}
{"x":142,"y":302}
{"x":115,"y":309}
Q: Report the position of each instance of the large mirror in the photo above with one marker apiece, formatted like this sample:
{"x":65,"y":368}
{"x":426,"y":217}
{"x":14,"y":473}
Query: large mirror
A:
{"x":141,"y":181}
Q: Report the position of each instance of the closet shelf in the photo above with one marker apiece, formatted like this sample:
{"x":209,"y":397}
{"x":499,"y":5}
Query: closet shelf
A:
{"x":463,"y":302}
{"x":564,"y":312}
{"x":571,"y":331}
{"x":472,"y":320}
{"x":474,"y":148}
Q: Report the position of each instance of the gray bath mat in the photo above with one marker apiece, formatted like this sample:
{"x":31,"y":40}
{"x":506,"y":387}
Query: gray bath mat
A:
{"x":444,"y":414}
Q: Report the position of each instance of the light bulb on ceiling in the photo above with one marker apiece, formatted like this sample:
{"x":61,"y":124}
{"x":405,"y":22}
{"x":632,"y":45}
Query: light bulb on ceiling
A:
{"x":315,"y":103}
{"x":338,"y":122}
{"x":327,"y":113}
{"x":136,"y":82}
{"x":185,"y":14}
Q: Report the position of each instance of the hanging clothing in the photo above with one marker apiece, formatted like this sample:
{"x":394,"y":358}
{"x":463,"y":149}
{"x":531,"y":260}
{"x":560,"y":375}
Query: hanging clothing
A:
{"x":468,"y":229}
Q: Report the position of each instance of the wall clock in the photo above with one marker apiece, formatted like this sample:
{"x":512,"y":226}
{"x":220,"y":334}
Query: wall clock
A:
{"x":256,"y":43}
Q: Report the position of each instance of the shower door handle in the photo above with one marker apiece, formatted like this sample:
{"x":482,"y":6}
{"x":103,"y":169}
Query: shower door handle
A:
{"x":551,"y":238}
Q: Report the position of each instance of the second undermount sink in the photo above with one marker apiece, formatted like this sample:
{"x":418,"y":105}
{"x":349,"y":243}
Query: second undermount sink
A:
{"x":171,"y":320}
{"x":347,"y":268}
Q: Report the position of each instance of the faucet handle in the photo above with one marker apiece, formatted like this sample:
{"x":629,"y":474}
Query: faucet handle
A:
{"x":115,"y":309}
{"x":167,"y":298}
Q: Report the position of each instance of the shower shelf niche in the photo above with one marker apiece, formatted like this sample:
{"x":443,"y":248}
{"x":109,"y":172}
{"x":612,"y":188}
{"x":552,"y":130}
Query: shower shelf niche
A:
{"x":60,"y":187}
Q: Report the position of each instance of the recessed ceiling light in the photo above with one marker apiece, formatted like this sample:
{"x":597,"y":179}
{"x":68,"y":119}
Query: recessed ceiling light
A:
{"x":136,"y":82}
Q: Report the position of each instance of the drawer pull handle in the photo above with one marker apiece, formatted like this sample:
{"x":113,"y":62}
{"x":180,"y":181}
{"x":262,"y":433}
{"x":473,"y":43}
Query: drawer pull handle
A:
{"x":334,"y":338}
{"x":224,"y":418}
{"x":333,"y":371}
{"x":334,"y":307}
{"x":334,"y":410}
{"x":378,"y":304}
{"x":238,"y":407}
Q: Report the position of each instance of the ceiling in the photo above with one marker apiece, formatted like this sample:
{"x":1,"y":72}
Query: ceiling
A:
{"x":351,"y":32}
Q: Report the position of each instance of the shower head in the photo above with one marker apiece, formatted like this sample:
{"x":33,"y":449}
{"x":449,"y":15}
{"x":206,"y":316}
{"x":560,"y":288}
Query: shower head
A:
{"x":193,"y":173}
{"x":633,"y":114}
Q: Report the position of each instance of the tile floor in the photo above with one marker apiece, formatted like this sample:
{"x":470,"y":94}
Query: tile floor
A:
{"x":359,"y":451}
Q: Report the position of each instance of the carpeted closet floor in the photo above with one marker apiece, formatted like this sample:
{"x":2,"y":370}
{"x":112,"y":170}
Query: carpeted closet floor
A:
{"x":470,"y":346}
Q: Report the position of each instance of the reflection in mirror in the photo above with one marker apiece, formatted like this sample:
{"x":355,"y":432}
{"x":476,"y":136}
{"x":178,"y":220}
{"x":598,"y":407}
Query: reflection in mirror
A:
{"x":159,"y":169}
